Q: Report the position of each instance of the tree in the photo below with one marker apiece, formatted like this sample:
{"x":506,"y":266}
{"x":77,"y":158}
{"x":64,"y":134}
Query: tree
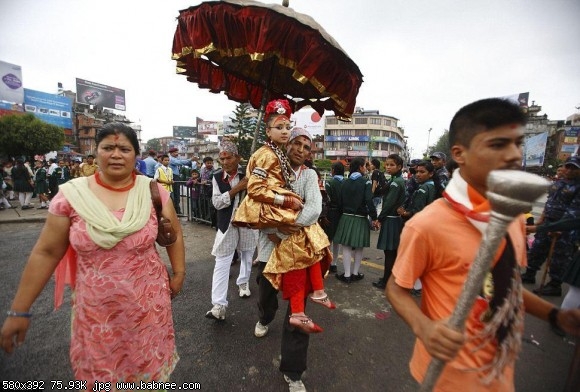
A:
{"x":442,"y":145}
{"x":25,"y":134}
{"x":323,"y":164}
{"x":245,"y":126}
{"x":154,"y":144}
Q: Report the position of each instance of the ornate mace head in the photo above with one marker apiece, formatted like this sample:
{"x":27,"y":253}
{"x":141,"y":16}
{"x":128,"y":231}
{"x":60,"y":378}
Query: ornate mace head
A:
{"x":512,"y":192}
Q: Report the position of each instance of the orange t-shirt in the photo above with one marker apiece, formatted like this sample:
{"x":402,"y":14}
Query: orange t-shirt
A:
{"x":438,"y":246}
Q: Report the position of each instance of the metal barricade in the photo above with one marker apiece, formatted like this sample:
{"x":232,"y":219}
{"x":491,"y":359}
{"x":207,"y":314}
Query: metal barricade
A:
{"x":197,"y":210}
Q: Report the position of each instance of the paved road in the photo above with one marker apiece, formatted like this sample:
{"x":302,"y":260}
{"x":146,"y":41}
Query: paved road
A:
{"x":364,"y":347}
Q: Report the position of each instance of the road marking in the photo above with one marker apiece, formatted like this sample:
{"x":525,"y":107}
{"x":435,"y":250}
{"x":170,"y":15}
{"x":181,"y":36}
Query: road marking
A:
{"x":373,"y":265}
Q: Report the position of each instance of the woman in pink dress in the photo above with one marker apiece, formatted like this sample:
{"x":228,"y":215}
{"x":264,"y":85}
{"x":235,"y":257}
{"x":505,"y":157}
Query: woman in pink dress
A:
{"x":122,"y":326}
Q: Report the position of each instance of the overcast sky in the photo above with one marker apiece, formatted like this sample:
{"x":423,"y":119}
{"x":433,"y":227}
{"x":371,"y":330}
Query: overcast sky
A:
{"x":421,"y":59}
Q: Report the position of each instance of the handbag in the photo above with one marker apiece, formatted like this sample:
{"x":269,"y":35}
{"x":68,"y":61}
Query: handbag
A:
{"x":166,"y":235}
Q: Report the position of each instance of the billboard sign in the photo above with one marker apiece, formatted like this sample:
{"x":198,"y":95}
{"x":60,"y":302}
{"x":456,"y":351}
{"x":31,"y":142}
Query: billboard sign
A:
{"x":180,"y":131}
{"x":11,"y":89}
{"x":386,"y":139}
{"x":50,"y":108}
{"x":181,"y":145}
{"x":91,"y":93}
{"x":11,"y":106}
{"x":346,"y":138}
{"x":208,"y":127}
{"x":535,"y":150}
{"x":520,"y":99}
{"x":572,"y":132}
{"x":571,"y":149}
{"x":358,"y":153}
{"x":334,"y":153}
{"x":310,"y":121}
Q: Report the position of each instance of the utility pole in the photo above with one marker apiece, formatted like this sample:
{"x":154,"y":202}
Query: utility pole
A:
{"x":428,"y":137}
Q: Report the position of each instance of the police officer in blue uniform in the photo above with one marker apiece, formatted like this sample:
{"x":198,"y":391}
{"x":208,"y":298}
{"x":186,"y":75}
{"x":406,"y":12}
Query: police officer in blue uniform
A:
{"x":563,"y":203}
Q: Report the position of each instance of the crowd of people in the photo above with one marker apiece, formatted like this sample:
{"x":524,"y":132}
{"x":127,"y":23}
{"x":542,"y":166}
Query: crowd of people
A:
{"x":42,"y":180}
{"x":23,"y":182}
{"x":101,"y":231}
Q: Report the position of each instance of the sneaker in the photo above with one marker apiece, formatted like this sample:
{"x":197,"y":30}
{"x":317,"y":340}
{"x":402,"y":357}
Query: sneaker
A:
{"x":529,"y":276}
{"x":333,"y":268}
{"x":218,"y":312}
{"x":260,"y":330}
{"x":244,"y":290}
{"x":295,"y":386}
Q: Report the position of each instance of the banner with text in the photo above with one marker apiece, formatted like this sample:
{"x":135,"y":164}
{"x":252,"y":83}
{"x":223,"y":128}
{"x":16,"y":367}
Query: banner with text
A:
{"x":535,"y":150}
{"x":50,"y":108}
{"x":182,"y":131}
{"x":11,"y":89}
{"x":91,"y":93}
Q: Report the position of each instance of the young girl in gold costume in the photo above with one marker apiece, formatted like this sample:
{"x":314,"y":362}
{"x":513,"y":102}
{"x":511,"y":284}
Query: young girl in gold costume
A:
{"x":294,"y":266}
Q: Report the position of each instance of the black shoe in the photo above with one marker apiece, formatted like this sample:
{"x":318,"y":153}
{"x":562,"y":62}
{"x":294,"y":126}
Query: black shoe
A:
{"x":552,"y":289}
{"x":380,"y":284}
{"x":342,"y":278}
{"x":357,"y":277}
{"x":25,"y":207}
{"x":333,"y":268}
{"x":529,"y":276}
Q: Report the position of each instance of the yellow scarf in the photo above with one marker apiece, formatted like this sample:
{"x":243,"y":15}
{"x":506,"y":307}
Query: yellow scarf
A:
{"x":102,"y":226}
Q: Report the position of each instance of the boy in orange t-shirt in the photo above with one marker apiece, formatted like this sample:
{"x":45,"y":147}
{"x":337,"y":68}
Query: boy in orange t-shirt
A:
{"x":485,"y":135}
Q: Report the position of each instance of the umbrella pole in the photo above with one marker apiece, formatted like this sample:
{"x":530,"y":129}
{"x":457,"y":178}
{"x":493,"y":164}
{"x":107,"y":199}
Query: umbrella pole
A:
{"x":260,"y":117}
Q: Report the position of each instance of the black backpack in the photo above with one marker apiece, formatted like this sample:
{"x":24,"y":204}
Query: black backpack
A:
{"x":382,"y":186}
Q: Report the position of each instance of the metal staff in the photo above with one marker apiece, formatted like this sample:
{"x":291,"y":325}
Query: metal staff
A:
{"x":548,"y":260}
{"x":510,"y":193}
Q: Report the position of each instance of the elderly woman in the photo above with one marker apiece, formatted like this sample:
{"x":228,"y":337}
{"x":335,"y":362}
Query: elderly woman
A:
{"x":122,"y":327}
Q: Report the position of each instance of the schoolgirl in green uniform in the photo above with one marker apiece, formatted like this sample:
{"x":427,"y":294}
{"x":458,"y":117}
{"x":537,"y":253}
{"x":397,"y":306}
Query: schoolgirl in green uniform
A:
{"x":353,"y":231}
{"x":390,"y":221}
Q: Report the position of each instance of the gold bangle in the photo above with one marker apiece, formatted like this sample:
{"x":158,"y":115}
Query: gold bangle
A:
{"x":179,"y":273}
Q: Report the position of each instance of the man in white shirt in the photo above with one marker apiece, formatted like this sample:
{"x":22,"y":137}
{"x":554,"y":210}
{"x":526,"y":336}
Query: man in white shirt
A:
{"x":229,"y":187}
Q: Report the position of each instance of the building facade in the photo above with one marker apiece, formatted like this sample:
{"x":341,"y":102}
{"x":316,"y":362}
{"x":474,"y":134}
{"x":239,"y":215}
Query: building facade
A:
{"x":369,"y":135}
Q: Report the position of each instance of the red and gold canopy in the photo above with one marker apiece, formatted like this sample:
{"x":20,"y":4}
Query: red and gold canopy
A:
{"x":244,"y":48}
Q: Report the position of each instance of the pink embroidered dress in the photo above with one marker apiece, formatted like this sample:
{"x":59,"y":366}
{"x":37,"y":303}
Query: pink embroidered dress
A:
{"x":122,"y":325}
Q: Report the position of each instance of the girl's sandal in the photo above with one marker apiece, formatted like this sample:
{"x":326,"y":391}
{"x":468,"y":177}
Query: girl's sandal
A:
{"x":324,"y":301}
{"x":304,"y":323}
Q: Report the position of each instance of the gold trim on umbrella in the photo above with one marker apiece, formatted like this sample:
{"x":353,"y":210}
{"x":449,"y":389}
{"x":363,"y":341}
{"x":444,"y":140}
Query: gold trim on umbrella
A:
{"x":197,"y":53}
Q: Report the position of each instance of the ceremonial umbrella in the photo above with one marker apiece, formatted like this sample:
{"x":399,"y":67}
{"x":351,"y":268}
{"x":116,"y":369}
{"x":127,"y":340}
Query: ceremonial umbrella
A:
{"x":254,"y":52}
